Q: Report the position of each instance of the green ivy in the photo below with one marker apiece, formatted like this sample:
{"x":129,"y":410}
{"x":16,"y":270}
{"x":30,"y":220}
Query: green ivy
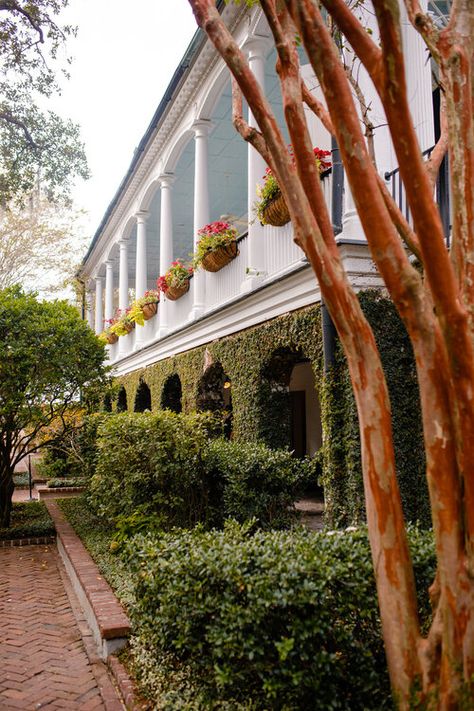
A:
{"x":261,"y":405}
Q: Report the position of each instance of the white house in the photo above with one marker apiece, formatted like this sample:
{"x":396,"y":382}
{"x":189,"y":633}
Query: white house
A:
{"x":191,"y":168}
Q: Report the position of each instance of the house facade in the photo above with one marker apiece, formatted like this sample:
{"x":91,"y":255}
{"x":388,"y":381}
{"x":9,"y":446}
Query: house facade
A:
{"x":247,"y":339}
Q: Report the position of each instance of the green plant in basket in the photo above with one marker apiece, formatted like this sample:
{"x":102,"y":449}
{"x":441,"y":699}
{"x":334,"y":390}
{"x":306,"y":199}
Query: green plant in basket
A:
{"x":212,"y":237}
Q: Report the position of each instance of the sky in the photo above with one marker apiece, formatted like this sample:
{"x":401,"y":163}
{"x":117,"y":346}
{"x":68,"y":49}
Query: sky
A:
{"x":123,"y":59}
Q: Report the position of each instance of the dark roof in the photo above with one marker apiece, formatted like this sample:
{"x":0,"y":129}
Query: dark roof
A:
{"x":196,"y":44}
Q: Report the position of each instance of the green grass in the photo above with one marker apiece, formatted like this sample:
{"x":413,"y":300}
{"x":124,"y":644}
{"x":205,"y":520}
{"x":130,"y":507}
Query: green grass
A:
{"x":97,"y":536}
{"x":29,"y":519}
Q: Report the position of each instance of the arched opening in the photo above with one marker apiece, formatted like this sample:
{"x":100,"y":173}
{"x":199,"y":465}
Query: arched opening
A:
{"x":172,"y":394}
{"x":291,"y":414}
{"x":122,"y":400}
{"x":215,"y":395}
{"x":142,"y":398}
{"x":107,"y":403}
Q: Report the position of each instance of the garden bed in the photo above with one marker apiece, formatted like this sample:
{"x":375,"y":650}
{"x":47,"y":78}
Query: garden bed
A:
{"x":30,"y":521}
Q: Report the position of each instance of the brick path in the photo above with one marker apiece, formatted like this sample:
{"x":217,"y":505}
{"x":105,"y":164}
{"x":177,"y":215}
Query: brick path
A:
{"x":47,"y":656}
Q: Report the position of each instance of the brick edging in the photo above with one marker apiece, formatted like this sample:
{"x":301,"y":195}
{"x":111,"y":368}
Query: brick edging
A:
{"x":33,"y":541}
{"x":105,"y":615}
{"x":126,"y":686}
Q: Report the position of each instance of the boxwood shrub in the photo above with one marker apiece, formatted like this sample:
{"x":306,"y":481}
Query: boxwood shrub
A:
{"x":153,"y":463}
{"x":166,"y":469}
{"x":266,"y":620}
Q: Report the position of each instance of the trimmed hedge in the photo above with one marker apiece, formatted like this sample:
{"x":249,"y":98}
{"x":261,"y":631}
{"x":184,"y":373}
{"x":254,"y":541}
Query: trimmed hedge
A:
{"x":165,"y":469}
{"x":270,"y":620}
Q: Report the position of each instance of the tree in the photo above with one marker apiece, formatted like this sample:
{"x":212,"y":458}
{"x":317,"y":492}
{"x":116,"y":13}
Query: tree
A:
{"x":435,"y":301}
{"x":48,"y":355}
{"x":39,"y":245}
{"x":37,"y":147}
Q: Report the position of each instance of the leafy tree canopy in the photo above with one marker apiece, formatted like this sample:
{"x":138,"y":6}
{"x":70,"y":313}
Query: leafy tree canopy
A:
{"x":48,"y":358}
{"x":40,"y":245}
{"x":37,"y":147}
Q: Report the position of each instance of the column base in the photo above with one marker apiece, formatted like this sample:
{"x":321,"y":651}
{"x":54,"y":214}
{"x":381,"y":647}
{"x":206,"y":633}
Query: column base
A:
{"x":163,"y":331}
{"x":196,"y":312}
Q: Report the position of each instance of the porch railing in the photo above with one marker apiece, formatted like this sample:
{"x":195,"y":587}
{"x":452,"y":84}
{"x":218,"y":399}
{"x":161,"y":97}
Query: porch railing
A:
{"x":441,"y":193}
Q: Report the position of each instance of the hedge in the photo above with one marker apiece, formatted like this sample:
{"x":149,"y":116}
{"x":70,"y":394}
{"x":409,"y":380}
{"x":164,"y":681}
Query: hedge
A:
{"x":167,"y":469}
{"x":269,"y":620}
{"x":261,"y":408}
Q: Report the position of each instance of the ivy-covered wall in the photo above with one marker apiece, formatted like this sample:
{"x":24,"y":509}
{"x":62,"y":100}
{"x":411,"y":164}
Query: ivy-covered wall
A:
{"x":252,"y":360}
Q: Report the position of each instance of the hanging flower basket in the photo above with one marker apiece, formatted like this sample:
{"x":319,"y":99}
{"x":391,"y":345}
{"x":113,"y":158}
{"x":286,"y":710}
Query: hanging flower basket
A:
{"x":276,"y":212}
{"x":220,"y":257}
{"x":111,"y":338}
{"x":175,"y":283}
{"x":149,"y":310}
{"x":128,"y":326}
{"x":271,"y":208}
{"x":176,"y":292}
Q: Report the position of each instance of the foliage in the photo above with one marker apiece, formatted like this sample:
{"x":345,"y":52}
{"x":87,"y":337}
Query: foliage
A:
{"x":256,"y":482}
{"x":73,"y":455}
{"x":211,"y":237}
{"x":270,"y":188}
{"x":28,"y":520}
{"x":260,"y":407}
{"x":177,"y":276}
{"x":97,"y":537}
{"x":135,"y":310}
{"x":36,"y":146}
{"x":162,"y":470}
{"x":273,"y":619}
{"x":39,"y":244}
{"x":66,"y":482}
{"x":153,"y":462}
{"x":48,"y":356}
{"x":122,"y":324}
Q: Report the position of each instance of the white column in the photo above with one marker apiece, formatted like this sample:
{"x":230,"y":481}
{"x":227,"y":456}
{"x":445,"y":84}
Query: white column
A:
{"x":166,"y":245}
{"x":99,"y":318}
{"x":141,"y":264}
{"x":201,"y":207}
{"x":418,"y":79}
{"x":124,"y":341}
{"x":89,"y":310}
{"x":140,"y":271}
{"x":123,"y":275}
{"x":109,"y":290}
{"x":256,"y":166}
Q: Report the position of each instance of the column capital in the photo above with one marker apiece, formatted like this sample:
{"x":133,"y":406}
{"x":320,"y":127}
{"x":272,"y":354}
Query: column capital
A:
{"x":257,"y":46}
{"x":109,"y":263}
{"x":142,"y":216}
{"x":98,"y":279}
{"x":202,"y":128}
{"x":166,"y":180}
{"x":123,"y":242}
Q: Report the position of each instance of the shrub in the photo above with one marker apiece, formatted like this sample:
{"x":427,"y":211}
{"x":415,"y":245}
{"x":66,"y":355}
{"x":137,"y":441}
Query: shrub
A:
{"x":275,"y":620}
{"x":152,"y":462}
{"x":256,"y":482}
{"x":158,"y":470}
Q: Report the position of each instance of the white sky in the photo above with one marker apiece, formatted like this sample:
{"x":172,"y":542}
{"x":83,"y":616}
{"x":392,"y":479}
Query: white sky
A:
{"x":124,"y":57}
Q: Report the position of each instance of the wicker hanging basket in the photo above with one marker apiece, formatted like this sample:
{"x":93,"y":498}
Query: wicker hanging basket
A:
{"x":129,"y":326}
{"x":215,"y":260}
{"x":276,"y":212}
{"x":149,"y":310}
{"x":176,"y":292}
{"x":111,"y":338}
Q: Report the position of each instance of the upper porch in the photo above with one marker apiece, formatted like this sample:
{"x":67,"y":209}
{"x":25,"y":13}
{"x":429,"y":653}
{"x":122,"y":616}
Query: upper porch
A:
{"x":192,"y":168}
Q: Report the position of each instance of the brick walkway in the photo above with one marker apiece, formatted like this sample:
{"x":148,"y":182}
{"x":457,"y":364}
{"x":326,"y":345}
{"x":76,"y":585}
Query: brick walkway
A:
{"x":47,"y":655}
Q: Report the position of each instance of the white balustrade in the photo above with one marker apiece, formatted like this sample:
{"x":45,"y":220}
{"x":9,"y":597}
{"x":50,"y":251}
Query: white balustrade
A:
{"x":225,"y":284}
